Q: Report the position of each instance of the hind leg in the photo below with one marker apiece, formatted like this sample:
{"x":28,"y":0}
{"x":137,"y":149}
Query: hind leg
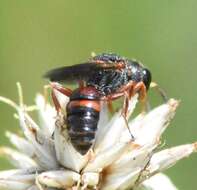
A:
{"x":65,"y":91}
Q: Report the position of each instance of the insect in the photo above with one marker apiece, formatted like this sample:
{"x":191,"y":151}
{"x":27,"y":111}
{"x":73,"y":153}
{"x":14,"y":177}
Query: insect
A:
{"x":104,"y":77}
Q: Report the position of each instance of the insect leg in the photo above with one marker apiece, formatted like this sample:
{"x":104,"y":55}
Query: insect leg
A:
{"x":109,"y":99}
{"x":55,"y":101}
{"x":110,"y":106}
{"x":128,"y":88}
{"x":127,"y":91}
{"x":61,"y":89}
{"x":121,"y":92}
{"x":125,"y":105}
{"x":141,"y":89}
{"x":113,"y":96}
{"x":124,"y":113}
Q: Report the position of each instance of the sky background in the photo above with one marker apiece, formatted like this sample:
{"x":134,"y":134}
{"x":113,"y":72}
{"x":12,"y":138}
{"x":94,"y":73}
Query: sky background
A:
{"x":36,"y":36}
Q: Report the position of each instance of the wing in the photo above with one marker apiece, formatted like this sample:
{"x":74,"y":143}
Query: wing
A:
{"x":78,"y":72}
{"x":71,"y":73}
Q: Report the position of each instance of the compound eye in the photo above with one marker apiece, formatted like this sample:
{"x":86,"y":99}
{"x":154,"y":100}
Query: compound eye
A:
{"x":146,"y":78}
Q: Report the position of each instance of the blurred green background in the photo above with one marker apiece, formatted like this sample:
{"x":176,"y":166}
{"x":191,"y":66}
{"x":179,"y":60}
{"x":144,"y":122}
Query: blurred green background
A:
{"x":36,"y":36}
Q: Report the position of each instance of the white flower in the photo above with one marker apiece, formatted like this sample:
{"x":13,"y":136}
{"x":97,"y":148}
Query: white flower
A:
{"x":45,"y":158}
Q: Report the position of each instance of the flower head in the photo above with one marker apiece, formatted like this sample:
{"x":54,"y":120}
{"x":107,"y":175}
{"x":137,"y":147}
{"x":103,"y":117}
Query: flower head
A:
{"x":46,"y":159}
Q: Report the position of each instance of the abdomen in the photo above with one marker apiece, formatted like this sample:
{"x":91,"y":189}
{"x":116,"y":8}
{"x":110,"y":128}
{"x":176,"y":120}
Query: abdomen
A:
{"x":82,"y":120}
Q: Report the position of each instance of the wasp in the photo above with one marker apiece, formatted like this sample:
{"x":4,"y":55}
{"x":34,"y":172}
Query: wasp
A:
{"x":105,"y":77}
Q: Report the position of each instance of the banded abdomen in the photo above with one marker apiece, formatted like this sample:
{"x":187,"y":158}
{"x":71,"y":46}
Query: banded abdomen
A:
{"x":82,"y":118}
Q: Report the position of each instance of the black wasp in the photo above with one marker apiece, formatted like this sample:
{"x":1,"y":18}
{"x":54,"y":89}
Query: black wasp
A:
{"x":104,"y":77}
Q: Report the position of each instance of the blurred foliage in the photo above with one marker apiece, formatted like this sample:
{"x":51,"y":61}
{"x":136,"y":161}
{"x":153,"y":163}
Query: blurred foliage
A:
{"x":36,"y":36}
